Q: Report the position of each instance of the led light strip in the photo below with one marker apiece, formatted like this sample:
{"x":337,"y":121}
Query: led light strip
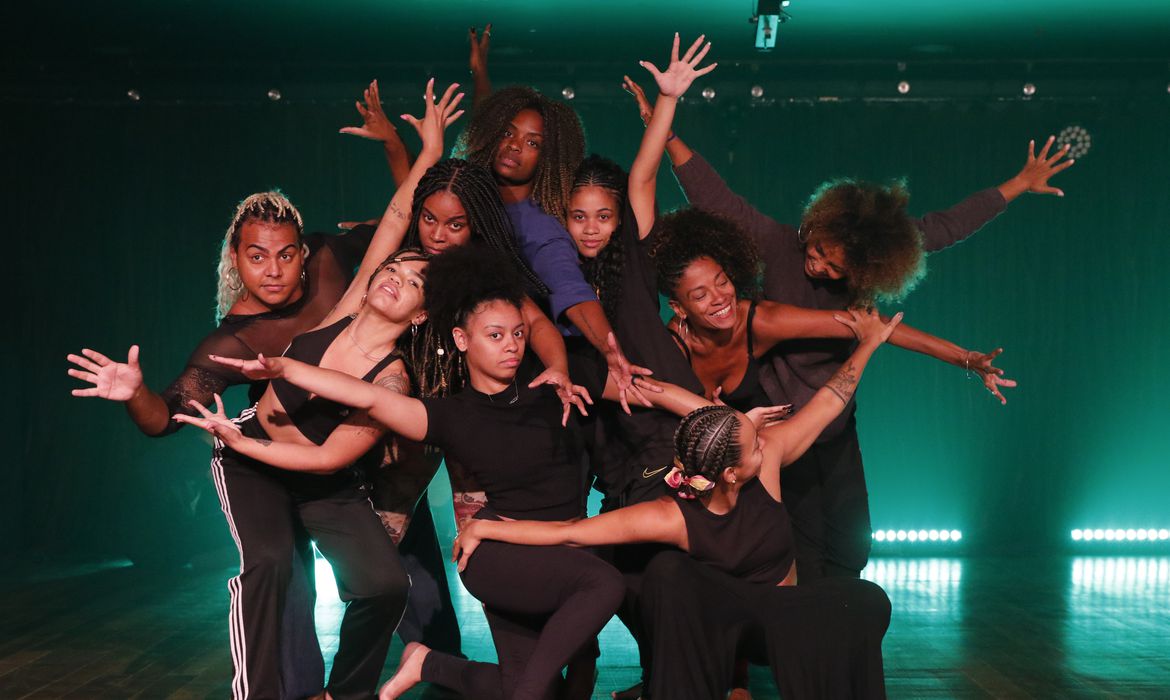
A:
{"x":917,"y":536}
{"x":1118,"y":535}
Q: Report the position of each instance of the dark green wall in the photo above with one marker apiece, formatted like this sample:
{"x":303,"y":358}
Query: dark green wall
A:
{"x":117,"y":209}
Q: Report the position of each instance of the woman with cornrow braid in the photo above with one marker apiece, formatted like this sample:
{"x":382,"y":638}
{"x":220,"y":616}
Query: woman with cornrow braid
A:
{"x":733,"y":590}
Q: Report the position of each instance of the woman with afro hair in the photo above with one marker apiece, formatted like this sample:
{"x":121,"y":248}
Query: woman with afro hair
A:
{"x":808,"y":266}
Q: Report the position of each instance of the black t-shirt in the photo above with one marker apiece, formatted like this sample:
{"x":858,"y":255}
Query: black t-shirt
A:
{"x":329,"y":269}
{"x":513,"y":444}
{"x":644,"y":441}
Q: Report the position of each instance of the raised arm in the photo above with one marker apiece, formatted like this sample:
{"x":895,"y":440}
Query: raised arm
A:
{"x":376,"y":127}
{"x":655,"y":521}
{"x":775,"y":323}
{"x":672,"y":84}
{"x":402,"y":414}
{"x":395,"y":221}
{"x":478,"y":63}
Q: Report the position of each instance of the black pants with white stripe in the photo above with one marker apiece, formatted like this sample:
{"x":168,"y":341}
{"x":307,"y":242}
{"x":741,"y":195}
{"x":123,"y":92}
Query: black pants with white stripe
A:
{"x":263,"y":506}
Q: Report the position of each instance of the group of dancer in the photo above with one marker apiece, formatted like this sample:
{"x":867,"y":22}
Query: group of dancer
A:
{"x":505,"y":317}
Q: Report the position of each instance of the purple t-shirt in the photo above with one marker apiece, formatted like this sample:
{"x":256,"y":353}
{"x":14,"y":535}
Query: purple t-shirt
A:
{"x":549,"y":250}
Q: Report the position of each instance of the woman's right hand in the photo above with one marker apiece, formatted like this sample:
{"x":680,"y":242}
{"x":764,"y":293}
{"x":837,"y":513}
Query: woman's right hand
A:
{"x":867,"y":325}
{"x":436,"y":117}
{"x":217,"y":423}
{"x":260,"y":369}
{"x":116,"y":381}
{"x":480,"y":45}
{"x":681,"y":72}
{"x":375,"y":126}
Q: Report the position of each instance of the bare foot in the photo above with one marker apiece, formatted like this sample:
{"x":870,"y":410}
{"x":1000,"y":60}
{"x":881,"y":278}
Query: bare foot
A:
{"x":408,"y":674}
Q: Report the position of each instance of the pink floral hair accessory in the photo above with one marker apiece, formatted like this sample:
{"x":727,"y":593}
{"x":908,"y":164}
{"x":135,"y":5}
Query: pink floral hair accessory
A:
{"x":676,"y":480}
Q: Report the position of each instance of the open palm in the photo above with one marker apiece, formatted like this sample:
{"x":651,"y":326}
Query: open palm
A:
{"x":116,"y":381}
{"x":681,"y":72}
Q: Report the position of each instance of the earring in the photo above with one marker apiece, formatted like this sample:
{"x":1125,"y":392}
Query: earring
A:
{"x":413,"y":331}
{"x":234,"y":282}
{"x":686,"y":329}
{"x":304,"y":277}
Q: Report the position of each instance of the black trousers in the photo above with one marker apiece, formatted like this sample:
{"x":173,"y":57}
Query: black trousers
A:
{"x":544,"y":605}
{"x":263,"y":506}
{"x":821,"y":640}
{"x":828,"y":502}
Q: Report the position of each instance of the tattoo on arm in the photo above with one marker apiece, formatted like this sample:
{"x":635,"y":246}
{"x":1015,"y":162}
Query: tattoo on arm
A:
{"x":844,"y":382}
{"x":398,"y":212}
{"x":263,"y":442}
{"x":467,"y":504}
{"x":395,"y":382}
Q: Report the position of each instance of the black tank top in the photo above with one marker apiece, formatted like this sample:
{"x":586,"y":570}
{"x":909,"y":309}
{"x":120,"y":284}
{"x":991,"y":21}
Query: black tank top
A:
{"x":749,"y":393}
{"x":315,"y":417}
{"x":752,"y":542}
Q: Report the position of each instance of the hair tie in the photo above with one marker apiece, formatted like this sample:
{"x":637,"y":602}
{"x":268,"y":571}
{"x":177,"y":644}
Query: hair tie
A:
{"x":676,"y":480}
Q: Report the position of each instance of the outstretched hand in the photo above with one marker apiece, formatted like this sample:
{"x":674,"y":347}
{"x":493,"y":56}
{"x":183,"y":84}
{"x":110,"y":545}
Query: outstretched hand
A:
{"x":217,"y":423}
{"x":681,"y":72}
{"x":992,"y":376}
{"x":260,"y":369}
{"x":760,"y":416}
{"x":437,"y":116}
{"x":569,"y":393}
{"x":623,"y":374}
{"x":1037,"y":170}
{"x":116,"y":381}
{"x":480,"y":45}
{"x":375,"y":125}
{"x":867,"y":325}
{"x":645,"y":111}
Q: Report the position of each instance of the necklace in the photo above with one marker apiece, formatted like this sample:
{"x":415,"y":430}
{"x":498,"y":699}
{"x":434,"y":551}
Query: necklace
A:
{"x":369,"y":355}
{"x":515,"y":397}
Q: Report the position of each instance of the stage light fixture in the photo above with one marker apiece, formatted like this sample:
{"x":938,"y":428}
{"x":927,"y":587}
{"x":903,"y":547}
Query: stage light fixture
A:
{"x":134,"y":95}
{"x":917,"y":535}
{"x":757,"y":92}
{"x":274,"y":95}
{"x":1148,"y":534}
{"x":903,"y":88}
{"x":1077,"y":139}
{"x":708,"y":93}
{"x":768,"y":19}
{"x":568,"y":92}
{"x":1029,"y":89}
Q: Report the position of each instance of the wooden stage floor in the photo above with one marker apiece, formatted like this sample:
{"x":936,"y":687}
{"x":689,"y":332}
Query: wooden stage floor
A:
{"x":1023,"y":627}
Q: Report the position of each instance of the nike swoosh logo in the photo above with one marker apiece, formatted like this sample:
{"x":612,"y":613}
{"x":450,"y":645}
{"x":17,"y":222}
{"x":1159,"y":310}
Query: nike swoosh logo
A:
{"x":646,"y":473}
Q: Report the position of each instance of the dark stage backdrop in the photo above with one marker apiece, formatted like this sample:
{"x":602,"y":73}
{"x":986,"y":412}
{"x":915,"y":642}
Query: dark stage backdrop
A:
{"x":116,"y":212}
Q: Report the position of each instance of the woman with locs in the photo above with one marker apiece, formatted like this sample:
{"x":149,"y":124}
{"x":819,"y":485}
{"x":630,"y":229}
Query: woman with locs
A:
{"x":734,"y":591}
{"x":855,"y":242}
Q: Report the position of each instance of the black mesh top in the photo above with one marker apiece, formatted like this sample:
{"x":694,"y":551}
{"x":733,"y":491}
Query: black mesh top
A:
{"x":330,"y":268}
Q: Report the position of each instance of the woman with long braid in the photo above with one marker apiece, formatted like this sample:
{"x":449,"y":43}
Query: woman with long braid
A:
{"x":734,"y":592}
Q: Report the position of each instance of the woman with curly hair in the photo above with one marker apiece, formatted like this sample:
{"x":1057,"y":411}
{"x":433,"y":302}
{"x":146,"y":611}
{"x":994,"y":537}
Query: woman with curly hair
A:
{"x":806,"y":267}
{"x":710,"y":271}
{"x":732,"y":591}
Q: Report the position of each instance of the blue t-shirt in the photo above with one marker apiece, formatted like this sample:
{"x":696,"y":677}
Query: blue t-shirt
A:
{"x":551,"y":254}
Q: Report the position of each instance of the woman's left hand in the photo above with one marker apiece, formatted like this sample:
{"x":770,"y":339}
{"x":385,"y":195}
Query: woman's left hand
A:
{"x":375,"y":125}
{"x":569,"y":393}
{"x":465,"y":545}
{"x":217,"y":423}
{"x":992,"y":376}
{"x":437,"y":116}
{"x":679,"y":75}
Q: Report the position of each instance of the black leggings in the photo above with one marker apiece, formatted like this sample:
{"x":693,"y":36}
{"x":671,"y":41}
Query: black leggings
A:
{"x":544,"y":605}
{"x":263,"y":506}
{"x":821,"y":640}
